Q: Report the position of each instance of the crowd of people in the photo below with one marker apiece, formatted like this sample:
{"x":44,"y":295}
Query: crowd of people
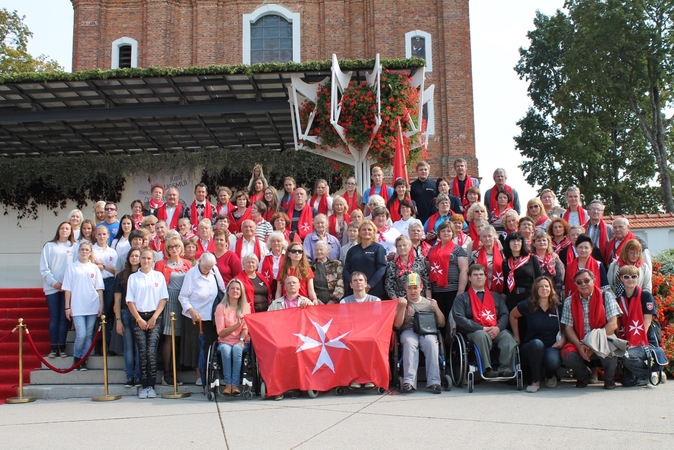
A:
{"x":542,"y":280}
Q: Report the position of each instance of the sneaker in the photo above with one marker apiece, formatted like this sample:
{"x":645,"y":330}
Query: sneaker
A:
{"x":369,"y":385}
{"x":128,"y":384}
{"x":532,"y":388}
{"x":62,"y":354}
{"x":167,"y":380}
{"x":83,"y":367}
{"x":137,"y":383}
{"x":198,"y":382}
{"x":435,"y":388}
{"x":551,"y":382}
{"x":142,"y":392}
{"x":52,"y":354}
{"x":151,"y":393}
{"x":355,"y":385}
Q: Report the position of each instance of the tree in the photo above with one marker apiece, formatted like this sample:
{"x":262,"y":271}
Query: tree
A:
{"x":14,"y":56}
{"x":599,"y":79}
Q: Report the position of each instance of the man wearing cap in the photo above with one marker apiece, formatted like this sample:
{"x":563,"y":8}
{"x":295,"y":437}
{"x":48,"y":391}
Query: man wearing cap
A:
{"x":411,"y":341}
{"x":483,"y":316}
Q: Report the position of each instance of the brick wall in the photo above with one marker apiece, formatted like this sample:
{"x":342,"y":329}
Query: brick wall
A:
{"x":204,"y":32}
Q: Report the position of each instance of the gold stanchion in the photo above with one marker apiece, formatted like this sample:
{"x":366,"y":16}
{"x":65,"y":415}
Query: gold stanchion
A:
{"x":20,"y":399}
{"x":175,"y":394}
{"x":106,"y":397}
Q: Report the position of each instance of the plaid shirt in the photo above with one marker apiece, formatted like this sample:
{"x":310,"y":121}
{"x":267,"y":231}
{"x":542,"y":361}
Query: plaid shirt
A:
{"x":610,"y":305}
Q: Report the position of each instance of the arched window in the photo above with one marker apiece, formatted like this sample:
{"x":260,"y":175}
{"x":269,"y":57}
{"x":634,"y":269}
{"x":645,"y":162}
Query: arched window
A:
{"x":418,"y":44}
{"x":271,"y":34}
{"x":124,"y":53}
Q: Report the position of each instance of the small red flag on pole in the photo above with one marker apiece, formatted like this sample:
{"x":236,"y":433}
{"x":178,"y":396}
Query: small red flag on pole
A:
{"x":399,"y":160}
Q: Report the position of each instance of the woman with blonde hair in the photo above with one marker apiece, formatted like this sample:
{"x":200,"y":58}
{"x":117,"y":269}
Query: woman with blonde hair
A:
{"x":368,"y":257}
{"x":630,"y":255}
{"x":351,"y":195}
{"x":75,"y":219}
{"x":339,"y":220}
{"x":99,"y":212}
{"x":321,"y":200}
{"x":536,"y":211}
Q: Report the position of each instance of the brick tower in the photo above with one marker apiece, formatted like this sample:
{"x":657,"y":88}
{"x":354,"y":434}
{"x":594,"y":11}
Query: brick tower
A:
{"x":183,"y":33}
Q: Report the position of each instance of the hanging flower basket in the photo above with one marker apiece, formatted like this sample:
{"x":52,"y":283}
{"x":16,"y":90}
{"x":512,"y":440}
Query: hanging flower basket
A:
{"x":399,"y":103}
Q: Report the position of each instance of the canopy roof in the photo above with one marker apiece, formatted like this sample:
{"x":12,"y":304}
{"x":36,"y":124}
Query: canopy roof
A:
{"x":157,"y":109}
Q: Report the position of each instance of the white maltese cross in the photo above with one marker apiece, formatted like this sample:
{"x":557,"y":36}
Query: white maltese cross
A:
{"x":636,"y":327}
{"x":324,"y":356}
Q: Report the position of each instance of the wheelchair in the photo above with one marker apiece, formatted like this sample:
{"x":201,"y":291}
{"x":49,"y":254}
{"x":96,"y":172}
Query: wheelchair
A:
{"x":249,"y":373}
{"x":465,"y":363}
{"x":397,"y":364}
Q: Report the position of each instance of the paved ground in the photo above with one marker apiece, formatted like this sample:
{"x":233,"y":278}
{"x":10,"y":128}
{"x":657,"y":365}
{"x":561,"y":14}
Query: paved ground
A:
{"x":495,"y":416}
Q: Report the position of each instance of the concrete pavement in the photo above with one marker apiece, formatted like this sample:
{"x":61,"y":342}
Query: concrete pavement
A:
{"x":495,"y":415}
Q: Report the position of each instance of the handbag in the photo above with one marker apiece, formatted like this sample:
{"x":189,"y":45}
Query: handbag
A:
{"x":424,"y":323}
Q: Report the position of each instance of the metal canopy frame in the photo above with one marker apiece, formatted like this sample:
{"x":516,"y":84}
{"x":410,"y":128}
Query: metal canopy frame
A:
{"x":147,"y":114}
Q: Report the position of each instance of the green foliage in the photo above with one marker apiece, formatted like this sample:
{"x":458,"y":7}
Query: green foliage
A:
{"x":596,"y":101}
{"x":14,"y":56}
{"x":309,"y":66}
{"x":666,"y":260}
{"x":27,"y":183}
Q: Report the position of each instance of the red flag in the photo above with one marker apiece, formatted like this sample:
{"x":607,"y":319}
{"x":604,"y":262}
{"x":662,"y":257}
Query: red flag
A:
{"x":399,"y":161}
{"x":322,"y":347}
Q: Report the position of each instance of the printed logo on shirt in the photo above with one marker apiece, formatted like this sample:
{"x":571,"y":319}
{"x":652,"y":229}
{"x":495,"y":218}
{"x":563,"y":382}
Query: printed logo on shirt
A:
{"x":67,"y":252}
{"x":92,"y":275}
{"x":156,"y":284}
{"x":649,"y":306}
{"x":111,"y":258}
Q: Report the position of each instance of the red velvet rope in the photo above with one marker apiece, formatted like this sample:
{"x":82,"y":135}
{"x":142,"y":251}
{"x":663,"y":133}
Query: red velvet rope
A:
{"x":9,"y":333}
{"x":56,"y":369}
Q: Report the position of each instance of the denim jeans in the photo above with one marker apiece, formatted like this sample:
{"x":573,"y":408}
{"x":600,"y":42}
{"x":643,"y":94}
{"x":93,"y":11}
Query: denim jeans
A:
{"x":58,"y":324}
{"x":231,"y":362}
{"x":148,"y":341}
{"x":84,"y":332}
{"x":540,"y":359}
{"x":131,"y":358}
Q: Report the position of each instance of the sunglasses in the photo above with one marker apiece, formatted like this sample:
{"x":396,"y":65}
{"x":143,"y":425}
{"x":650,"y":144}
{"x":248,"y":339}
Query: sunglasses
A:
{"x":297,"y":251}
{"x":111,"y":209}
{"x":584,"y":281}
{"x":630,"y":277}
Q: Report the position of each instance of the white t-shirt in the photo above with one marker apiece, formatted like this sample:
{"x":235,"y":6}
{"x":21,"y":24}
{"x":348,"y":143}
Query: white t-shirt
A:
{"x":109,"y":257}
{"x":83,"y":281}
{"x":146,"y":290}
{"x":402,"y":225}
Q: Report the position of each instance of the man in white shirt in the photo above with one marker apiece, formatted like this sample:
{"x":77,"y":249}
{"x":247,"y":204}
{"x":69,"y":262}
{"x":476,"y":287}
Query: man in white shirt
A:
{"x":249,"y":242}
{"x":201,"y":208}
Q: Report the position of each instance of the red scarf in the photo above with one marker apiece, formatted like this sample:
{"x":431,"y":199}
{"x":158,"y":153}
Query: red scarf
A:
{"x":496,"y":283}
{"x":201,"y":249}
{"x":582,"y":215}
{"x":351,"y":202}
{"x":155,"y":204}
{"x":288,"y":203}
{"x":332,"y":225}
{"x":157,"y":244}
{"x":394,"y":208}
{"x":234,"y":223}
{"x":497,"y":215}
{"x":380,"y":233}
{"x":493,"y":195}
{"x":558,"y":247}
{"x":484,"y":312}
{"x":572,"y":269}
{"x":632,"y":326}
{"x":188,"y":235}
{"x":474,"y":235}
{"x":223,"y":210}
{"x":257,"y":196}
{"x":322,"y":206}
{"x":431,"y":222}
{"x":513,"y":267}
{"x":462,"y":238}
{"x":383,"y":192}
{"x":238,"y":248}
{"x":597,"y":312}
{"x":267,"y":272}
{"x":194,"y":215}
{"x":439,"y":258}
{"x":404,"y":269}
{"x":541,"y":220}
{"x":547,"y":263}
{"x":457,"y":192}
{"x":250,"y":289}
{"x":161,"y":215}
{"x":425,"y":247}
{"x":304,"y":224}
{"x":137,"y":222}
{"x":611,"y":256}
{"x":269,"y":214}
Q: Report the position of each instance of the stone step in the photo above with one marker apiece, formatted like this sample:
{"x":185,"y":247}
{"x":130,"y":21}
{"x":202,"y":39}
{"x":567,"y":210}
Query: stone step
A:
{"x":63,"y":391}
{"x":94,"y":362}
{"x":95,"y":376}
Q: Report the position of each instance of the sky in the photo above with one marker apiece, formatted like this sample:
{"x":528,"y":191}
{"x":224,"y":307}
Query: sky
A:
{"x":498,"y":30}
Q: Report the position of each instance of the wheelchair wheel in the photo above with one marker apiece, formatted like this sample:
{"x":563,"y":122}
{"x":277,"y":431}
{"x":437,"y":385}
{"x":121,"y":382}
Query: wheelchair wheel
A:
{"x":312,"y":394}
{"x":248,"y":395}
{"x":520,"y":380}
{"x":448,"y":383}
{"x":458,"y":360}
{"x":471,"y":381}
{"x":210,"y":396}
{"x":263,"y":391}
{"x":381,"y":391}
{"x":212,"y":380}
{"x":340,"y":390}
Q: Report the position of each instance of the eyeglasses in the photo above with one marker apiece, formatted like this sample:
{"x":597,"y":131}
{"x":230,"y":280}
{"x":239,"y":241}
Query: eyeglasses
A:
{"x":584,"y":281}
{"x":630,"y":277}
{"x":171,"y":247}
{"x":297,"y":251}
{"x":534,"y":207}
{"x":111,"y":209}
{"x":350,"y":183}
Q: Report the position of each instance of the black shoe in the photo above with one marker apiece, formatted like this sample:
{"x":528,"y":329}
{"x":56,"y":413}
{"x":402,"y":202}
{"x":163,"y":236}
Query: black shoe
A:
{"x":137,"y":383}
{"x":581,"y":383}
{"x":75,"y":361}
{"x":129,"y":383}
{"x":490,"y":373}
{"x":609,"y":384}
{"x":506,"y":373}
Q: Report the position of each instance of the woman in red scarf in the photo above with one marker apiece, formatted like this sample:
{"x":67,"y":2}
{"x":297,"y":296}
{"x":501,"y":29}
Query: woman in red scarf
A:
{"x":416,"y":234}
{"x":271,"y":202}
{"x":257,"y":189}
{"x":574,"y":214}
{"x":558,"y":231}
{"x":402,"y":192}
{"x":353,"y":199}
{"x":519,"y":270}
{"x":404,"y":263}
{"x":585,"y":260}
{"x":287,"y":200}
{"x":638,"y":307}
{"x":473,"y":196}
{"x":281,"y":222}
{"x":630,"y":255}
{"x":476,"y":212}
{"x":138,"y":212}
{"x":503,"y":201}
{"x":227,"y":261}
{"x":551,"y":265}
{"x":321,"y":200}
{"x":272,"y":261}
{"x":447,"y":266}
{"x":156,"y":193}
{"x":536,"y":211}
{"x":241,"y":213}
{"x":489,"y":255}
{"x":224,"y":206}
{"x":460,"y":238}
{"x":339,"y":220}
{"x":526,"y":227}
{"x":258,"y":290}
